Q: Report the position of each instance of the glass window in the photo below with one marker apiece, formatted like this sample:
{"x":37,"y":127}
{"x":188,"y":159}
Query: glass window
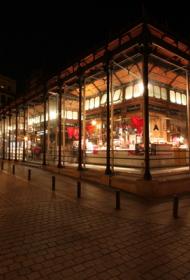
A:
{"x":178,"y":97}
{"x":150,"y":90}
{"x":138,"y":90}
{"x":37,"y":119}
{"x":97,"y":102}
{"x":172,"y":96}
{"x":69,"y":115}
{"x":116,"y":96}
{"x":128,"y":92}
{"x":184,"y":100}
{"x":87,"y":103}
{"x":157,"y":91}
{"x":91,"y":103}
{"x":30,"y":121}
{"x":75,"y":115}
{"x":163,"y":93}
{"x":103,"y":99}
{"x":52,"y":115}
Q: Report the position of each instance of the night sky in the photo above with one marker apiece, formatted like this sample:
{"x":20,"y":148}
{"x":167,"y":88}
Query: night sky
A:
{"x":52,"y":39}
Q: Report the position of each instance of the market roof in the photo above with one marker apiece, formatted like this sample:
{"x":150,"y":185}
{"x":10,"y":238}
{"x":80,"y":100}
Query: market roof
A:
{"x":123,"y":49}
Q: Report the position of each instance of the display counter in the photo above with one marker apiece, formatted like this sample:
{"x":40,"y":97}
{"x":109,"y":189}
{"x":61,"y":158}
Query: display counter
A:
{"x":122,"y":158}
{"x":160,"y":156}
{"x":163,"y":155}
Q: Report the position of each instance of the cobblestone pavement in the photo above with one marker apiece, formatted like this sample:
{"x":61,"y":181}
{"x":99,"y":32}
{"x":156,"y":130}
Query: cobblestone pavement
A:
{"x":52,"y":235}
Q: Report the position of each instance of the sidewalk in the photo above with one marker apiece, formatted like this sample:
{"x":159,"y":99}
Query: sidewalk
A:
{"x":47,"y":235}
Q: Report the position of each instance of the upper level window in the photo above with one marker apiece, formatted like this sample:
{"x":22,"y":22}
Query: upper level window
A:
{"x":103,"y":99}
{"x":178,"y":97}
{"x":69,"y":115}
{"x":91,"y":103}
{"x":157,"y":91}
{"x":116,"y":96}
{"x":183,"y":99}
{"x":75,"y":115}
{"x":150,"y":90}
{"x":97,"y":102}
{"x":87,"y":104}
{"x":163,"y":93}
{"x":172,"y":96}
{"x":128,"y":92}
{"x":138,"y":90}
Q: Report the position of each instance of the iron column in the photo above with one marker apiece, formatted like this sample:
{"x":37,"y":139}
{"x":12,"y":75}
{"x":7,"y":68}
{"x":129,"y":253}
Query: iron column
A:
{"x":16,"y":135}
{"x":108,"y":71}
{"x":59,"y":122}
{"x":44,"y":128}
{"x":81,"y":81}
{"x":146,"y":50}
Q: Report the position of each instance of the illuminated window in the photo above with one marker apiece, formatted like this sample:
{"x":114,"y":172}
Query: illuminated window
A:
{"x":138,"y":90}
{"x":75,"y":115}
{"x":178,"y":97}
{"x":157,"y":91}
{"x":116,"y":96}
{"x":103,"y":99}
{"x":164,"y":93}
{"x":87,"y":104}
{"x":69,"y":115}
{"x":37,"y":119}
{"x":30,"y":121}
{"x":172,"y":96}
{"x":97,"y":102}
{"x":52,"y":115}
{"x":150,"y":90}
{"x":92,"y":103}
{"x":184,"y":100}
{"x":128,"y":92}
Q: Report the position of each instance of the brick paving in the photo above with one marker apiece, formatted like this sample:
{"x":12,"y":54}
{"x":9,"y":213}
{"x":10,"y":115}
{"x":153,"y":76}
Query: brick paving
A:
{"x":47,"y":235}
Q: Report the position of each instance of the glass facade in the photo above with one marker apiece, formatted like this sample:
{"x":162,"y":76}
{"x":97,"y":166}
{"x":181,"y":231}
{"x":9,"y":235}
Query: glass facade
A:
{"x":26,"y":137}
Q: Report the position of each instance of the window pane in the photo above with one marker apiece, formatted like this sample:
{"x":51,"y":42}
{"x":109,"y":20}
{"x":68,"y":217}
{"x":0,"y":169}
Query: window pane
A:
{"x":178,"y":97}
{"x":87,"y":104}
{"x":92,"y":103}
{"x":172,"y":96}
{"x":157,"y":91}
{"x":116,"y":96}
{"x":164,"y":93}
{"x":97,"y":102}
{"x":128,"y":92}
{"x":103,"y":99}
{"x":184,"y":100}
{"x":150,"y":90}
{"x":75,"y":115}
{"x":69,"y":115}
{"x":138,"y":90}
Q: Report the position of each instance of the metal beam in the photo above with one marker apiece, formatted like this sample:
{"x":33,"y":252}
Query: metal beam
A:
{"x":160,"y":43}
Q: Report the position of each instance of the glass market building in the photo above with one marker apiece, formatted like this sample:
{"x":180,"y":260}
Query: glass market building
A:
{"x":125,"y":105}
